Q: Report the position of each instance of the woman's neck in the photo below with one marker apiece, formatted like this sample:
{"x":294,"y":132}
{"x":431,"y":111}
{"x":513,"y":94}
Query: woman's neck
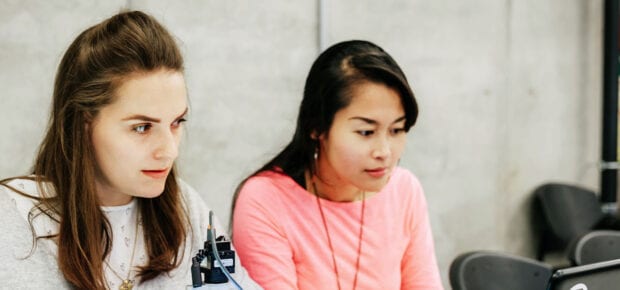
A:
{"x":332,"y":192}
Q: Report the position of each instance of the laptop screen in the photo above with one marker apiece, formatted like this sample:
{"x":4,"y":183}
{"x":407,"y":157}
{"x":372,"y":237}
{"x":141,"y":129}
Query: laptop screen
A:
{"x":596,"y":276}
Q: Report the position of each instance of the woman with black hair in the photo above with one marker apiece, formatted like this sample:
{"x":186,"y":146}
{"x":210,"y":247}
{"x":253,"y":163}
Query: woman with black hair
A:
{"x":333,"y":210}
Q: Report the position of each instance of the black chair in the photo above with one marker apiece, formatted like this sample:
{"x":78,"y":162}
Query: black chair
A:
{"x":568,"y":212}
{"x":596,"y":246}
{"x":486,"y":270}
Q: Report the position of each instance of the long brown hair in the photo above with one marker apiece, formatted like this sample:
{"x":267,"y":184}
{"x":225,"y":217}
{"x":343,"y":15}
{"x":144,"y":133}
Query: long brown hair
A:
{"x":91,"y":70}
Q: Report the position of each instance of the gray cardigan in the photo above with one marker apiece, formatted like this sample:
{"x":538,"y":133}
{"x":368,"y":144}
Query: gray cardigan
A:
{"x":19,"y":270}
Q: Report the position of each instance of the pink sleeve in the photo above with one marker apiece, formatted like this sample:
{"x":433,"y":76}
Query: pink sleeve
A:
{"x":258,"y":238}
{"x":419,"y":266}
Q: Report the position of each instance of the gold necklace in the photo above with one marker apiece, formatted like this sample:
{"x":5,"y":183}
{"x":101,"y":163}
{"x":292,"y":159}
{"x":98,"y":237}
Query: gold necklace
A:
{"x":329,"y":240}
{"x":127,"y":283}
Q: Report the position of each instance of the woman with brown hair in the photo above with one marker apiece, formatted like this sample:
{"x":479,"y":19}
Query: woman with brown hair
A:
{"x":103,"y":201}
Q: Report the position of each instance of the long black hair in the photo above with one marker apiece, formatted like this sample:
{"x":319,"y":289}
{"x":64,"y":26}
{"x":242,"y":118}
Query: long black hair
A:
{"x":328,"y":89}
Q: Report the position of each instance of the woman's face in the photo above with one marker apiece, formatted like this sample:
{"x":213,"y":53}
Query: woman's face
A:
{"x":136,"y":138}
{"x":363,"y":144}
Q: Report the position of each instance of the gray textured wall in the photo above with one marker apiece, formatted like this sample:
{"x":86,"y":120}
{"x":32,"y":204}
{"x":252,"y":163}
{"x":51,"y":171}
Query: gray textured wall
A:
{"x":509,"y":94}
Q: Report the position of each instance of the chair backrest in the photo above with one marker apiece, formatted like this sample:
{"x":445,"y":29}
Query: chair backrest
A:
{"x":570,"y":211}
{"x":595,"y":276}
{"x":596,"y":246}
{"x":486,"y":270}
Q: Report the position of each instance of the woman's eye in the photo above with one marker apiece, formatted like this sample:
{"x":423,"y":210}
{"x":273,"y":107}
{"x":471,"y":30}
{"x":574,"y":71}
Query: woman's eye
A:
{"x":398,"y":131}
{"x":365,"y":132}
{"x":178,"y":122}
{"x":141,"y":129}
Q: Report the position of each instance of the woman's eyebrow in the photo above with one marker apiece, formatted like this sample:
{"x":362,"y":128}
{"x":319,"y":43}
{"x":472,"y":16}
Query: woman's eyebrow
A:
{"x":371,"y":121}
{"x":403,"y":118}
{"x":139,"y":117}
{"x":145,"y":118}
{"x":365,"y":120}
{"x":182,"y":114}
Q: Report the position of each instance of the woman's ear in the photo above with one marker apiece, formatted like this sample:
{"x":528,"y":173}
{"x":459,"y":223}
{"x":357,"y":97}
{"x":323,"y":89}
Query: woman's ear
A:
{"x":314,"y":135}
{"x":318,"y":137}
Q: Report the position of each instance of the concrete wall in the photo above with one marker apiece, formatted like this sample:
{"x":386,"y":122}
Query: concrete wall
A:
{"x":509,"y":94}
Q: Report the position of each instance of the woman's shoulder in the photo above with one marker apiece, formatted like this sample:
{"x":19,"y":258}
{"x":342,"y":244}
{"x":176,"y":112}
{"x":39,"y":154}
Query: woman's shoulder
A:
{"x":270,"y":191}
{"x":19,"y":257}
{"x":268,"y":181}
{"x":25,"y":185}
{"x":403,"y":177}
{"x":188,"y":192}
{"x":193,"y":201}
{"x":404,"y":188}
{"x":23,"y":192}
{"x":198,"y":213}
{"x":10,"y":191}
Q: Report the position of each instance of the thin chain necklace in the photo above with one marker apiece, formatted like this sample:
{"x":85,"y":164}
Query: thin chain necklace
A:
{"x":329,"y":240}
{"x":127,"y":283}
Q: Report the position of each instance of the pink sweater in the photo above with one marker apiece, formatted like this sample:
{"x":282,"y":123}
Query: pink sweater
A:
{"x":279,"y":235}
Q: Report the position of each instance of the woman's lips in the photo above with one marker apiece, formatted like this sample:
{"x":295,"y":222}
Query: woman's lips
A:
{"x":156,"y":174}
{"x":377,"y":172}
